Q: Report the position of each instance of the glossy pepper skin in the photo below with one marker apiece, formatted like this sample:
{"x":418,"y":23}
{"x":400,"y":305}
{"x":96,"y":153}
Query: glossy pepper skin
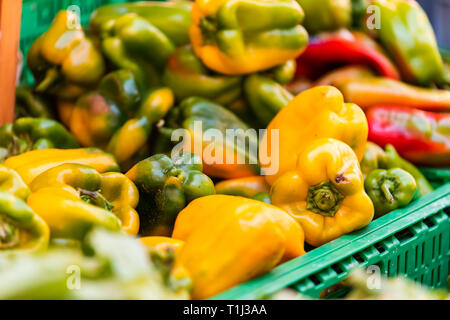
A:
{"x":266,"y":97}
{"x":210,"y":225}
{"x":111,"y":191}
{"x":197,"y":116}
{"x":27,"y":134}
{"x":374,"y":158}
{"x":232,"y":43}
{"x":319,"y":112}
{"x":11,"y":182}
{"x":327,"y":50}
{"x":131,"y":42}
{"x":390,"y":189}
{"x":325,"y":193}
{"x":188,"y":77}
{"x":31,"y":164}
{"x":395,"y":161}
{"x":372,"y":91}
{"x":30,"y":104}
{"x":64,"y":59}
{"x":323,"y":15}
{"x":21,"y":230}
{"x":133,"y":136}
{"x":173,"y":18}
{"x":166,"y":187}
{"x":408,"y":35}
{"x":420,"y":137}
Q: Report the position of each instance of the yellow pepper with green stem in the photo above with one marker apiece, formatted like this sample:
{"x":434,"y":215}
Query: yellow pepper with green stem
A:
{"x":325,"y":193}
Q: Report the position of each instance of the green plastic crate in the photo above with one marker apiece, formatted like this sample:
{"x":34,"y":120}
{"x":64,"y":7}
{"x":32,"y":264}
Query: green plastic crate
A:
{"x":414,"y":241}
{"x":437,"y":177}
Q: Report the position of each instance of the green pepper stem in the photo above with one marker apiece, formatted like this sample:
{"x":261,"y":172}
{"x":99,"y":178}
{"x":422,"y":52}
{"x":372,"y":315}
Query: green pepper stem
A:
{"x":387,"y":192}
{"x":324,"y":199}
{"x":95,"y":198}
{"x":9,"y":235}
{"x":50,"y":77}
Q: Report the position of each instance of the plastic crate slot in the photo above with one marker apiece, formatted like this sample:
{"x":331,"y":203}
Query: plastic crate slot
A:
{"x":337,"y":269}
{"x":417,"y":256}
{"x":429,"y":222}
{"x":314,"y":278}
{"x":404,"y":235}
{"x":379,"y":247}
{"x":327,"y":275}
{"x":440,"y":245}
{"x":369,"y":254}
{"x":358,"y":258}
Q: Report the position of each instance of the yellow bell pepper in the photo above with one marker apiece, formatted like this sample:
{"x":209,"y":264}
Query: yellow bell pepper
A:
{"x":245,"y":36}
{"x":112,"y":191}
{"x":319,"y":112}
{"x":230,"y":240}
{"x":31,"y":164}
{"x":325,"y":193}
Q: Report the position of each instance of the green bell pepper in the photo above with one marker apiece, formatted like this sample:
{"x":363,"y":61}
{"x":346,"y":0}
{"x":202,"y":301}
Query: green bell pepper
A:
{"x":374,"y":158}
{"x":266,"y":97}
{"x":188,"y":77}
{"x":202,"y":118}
{"x":284,"y":73}
{"x":408,"y":35}
{"x":172,"y":18}
{"x":20,"y":228}
{"x":27,"y":134}
{"x":324,"y":15}
{"x":63,"y":60}
{"x":121,"y":87}
{"x":29,"y":104}
{"x":166,"y":187}
{"x":390,"y":189}
{"x":131,"y":42}
{"x":395,"y":161}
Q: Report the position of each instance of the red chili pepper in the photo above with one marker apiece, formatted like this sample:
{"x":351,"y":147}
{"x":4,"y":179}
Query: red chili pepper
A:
{"x":329,"y":50}
{"x":419,"y":136}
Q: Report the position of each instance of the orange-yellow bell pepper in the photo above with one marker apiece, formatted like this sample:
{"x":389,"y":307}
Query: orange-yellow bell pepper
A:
{"x":32,"y":163}
{"x":325,"y":193}
{"x":319,"y":112}
{"x":229,"y":240}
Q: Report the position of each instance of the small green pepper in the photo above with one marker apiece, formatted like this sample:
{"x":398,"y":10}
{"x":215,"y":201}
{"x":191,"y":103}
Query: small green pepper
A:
{"x":188,"y":77}
{"x":374,"y":158}
{"x":166,"y":187}
{"x":390,"y":189}
{"x":27,"y":134}
{"x":266,"y":97}
{"x":395,"y":161}
{"x":29,"y":104}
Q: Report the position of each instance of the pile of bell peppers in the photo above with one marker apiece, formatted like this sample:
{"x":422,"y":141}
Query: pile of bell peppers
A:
{"x":90,"y":156}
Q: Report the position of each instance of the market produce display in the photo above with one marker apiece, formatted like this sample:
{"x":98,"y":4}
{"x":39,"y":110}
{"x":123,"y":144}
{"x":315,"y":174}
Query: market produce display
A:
{"x":176,"y":149}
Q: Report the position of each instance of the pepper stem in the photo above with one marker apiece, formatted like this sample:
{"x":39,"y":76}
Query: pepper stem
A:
{"x":385,"y":188}
{"x":209,"y":30}
{"x":95,"y":198}
{"x":9,"y":235}
{"x":324,"y":199}
{"x":50,"y":77}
